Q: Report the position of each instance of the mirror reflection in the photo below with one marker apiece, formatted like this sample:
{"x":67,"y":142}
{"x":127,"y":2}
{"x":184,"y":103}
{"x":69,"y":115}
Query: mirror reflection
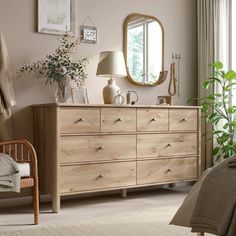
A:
{"x":143,"y":49}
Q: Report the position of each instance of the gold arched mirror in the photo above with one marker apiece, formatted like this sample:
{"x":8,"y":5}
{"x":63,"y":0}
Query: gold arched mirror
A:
{"x":144,"y":49}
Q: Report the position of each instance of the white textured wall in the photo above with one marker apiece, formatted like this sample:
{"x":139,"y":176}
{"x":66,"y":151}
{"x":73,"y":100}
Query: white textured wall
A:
{"x":18,"y":21}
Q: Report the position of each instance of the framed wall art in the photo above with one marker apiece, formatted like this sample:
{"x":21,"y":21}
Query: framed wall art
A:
{"x":57,"y":16}
{"x":88,"y":34}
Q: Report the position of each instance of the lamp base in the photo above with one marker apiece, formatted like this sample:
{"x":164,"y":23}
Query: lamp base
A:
{"x":110,"y":91}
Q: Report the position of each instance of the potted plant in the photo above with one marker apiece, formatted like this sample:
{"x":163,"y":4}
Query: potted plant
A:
{"x":219,"y":110}
{"x":60,"y":67}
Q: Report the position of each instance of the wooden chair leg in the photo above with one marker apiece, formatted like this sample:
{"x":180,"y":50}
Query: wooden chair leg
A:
{"x":36,"y":202}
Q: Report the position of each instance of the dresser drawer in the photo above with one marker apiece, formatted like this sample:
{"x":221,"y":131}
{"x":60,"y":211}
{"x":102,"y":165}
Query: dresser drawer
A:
{"x":80,"y":178}
{"x":118,"y":119}
{"x":152,"y":119}
{"x":166,"y":145}
{"x":160,"y":171}
{"x":79,"y":120}
{"x":97,"y":148}
{"x":183,"y":119}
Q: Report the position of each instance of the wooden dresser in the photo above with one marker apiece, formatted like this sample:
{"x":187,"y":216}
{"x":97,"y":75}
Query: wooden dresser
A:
{"x":88,"y":148}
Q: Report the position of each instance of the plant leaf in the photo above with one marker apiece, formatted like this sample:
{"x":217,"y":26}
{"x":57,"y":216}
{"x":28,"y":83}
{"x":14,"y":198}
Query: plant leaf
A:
{"x":230,"y":75}
{"x":206,"y":84}
{"x":217,"y":65}
{"x":216,"y":150}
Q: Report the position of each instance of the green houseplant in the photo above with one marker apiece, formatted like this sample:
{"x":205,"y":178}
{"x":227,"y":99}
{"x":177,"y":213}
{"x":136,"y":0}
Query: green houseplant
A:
{"x":219,"y":111}
{"x":59,"y":67}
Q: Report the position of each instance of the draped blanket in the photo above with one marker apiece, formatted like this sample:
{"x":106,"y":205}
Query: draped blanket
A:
{"x":7,"y":95}
{"x":211,"y":204}
{"x":9,"y":174}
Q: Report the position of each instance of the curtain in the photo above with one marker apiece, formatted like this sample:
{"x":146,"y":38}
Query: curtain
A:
{"x":7,"y":94}
{"x":212,"y":27}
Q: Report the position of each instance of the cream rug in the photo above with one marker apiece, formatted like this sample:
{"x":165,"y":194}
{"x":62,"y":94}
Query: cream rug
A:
{"x":143,"y":224}
{"x":140,"y":214}
{"x":150,"y":223}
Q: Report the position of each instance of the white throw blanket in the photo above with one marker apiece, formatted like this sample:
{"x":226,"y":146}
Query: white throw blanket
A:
{"x":9,"y":174}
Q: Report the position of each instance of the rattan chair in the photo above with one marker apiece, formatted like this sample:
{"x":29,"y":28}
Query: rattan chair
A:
{"x":22,"y":151}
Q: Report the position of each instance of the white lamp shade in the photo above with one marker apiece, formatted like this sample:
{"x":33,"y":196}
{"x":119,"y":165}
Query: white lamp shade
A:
{"x":111,"y":64}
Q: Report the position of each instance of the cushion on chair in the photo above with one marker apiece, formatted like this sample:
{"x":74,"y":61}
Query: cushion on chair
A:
{"x":24,"y":169}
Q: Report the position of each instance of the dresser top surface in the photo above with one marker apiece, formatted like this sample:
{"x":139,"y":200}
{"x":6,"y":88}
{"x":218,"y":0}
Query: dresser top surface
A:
{"x":114,"y":106}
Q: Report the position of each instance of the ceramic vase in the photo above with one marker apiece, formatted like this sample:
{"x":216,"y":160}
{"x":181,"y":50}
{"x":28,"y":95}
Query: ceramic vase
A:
{"x":110,"y":91}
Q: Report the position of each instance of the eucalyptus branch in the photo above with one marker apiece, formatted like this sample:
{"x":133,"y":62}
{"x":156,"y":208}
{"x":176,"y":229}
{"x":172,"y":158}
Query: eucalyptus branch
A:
{"x":63,"y":63}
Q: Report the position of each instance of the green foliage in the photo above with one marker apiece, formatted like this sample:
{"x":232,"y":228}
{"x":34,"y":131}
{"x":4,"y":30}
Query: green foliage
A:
{"x":135,"y":55}
{"x":218,"y":110}
{"x":59,"y":66}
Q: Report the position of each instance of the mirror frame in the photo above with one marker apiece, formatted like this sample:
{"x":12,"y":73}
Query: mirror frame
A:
{"x":125,"y":26}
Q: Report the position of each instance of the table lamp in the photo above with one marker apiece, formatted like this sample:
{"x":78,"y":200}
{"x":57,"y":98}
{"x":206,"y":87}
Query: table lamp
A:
{"x":111,"y":64}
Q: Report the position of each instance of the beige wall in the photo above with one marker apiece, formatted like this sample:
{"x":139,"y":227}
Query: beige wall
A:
{"x":18,"y":21}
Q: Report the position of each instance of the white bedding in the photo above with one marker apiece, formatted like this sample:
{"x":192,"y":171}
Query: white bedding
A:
{"x":24,"y":169}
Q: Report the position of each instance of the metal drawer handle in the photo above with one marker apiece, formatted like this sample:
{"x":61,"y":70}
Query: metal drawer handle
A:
{"x":169,"y":145}
{"x":100,"y":176}
{"x":169,"y":171}
{"x":100,"y":148}
{"x":154,"y":119}
{"x":80,"y":120}
{"x":119,"y":119}
{"x":184,"y":119}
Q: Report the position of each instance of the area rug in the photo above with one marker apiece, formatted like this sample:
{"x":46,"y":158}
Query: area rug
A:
{"x":144,"y":223}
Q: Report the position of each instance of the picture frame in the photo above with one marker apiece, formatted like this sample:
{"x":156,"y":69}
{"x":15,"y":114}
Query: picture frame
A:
{"x":79,"y":95}
{"x":57,"y":16}
{"x":88,"y":34}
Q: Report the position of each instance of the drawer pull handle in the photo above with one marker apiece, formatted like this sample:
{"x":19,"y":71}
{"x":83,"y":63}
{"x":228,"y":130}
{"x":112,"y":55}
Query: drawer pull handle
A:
{"x":100,"y":176}
{"x":153,"y":119}
{"x":184,"y":120}
{"x":79,"y":120}
{"x":169,"y":171}
{"x":119,"y":120}
{"x":100,"y":148}
{"x":169,"y":145}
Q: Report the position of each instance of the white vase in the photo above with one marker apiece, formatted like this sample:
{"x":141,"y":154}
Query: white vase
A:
{"x":110,"y":91}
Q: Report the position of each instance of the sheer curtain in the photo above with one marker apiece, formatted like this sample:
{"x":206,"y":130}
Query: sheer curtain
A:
{"x":213,"y":31}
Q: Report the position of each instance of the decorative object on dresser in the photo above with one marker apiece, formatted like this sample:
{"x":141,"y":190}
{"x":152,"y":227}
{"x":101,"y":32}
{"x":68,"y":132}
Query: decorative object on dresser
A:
{"x":111,"y":64}
{"x":79,"y":95}
{"x":164,"y":100}
{"x":60,"y":68}
{"x":119,"y":99}
{"x":129,"y":99}
{"x":93,"y":148}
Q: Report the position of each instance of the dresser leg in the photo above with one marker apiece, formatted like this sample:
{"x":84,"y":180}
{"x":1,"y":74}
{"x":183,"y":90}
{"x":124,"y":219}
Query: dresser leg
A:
{"x":56,"y":203}
{"x":200,"y":234}
{"x":171,"y":185}
{"x":124,"y":193}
